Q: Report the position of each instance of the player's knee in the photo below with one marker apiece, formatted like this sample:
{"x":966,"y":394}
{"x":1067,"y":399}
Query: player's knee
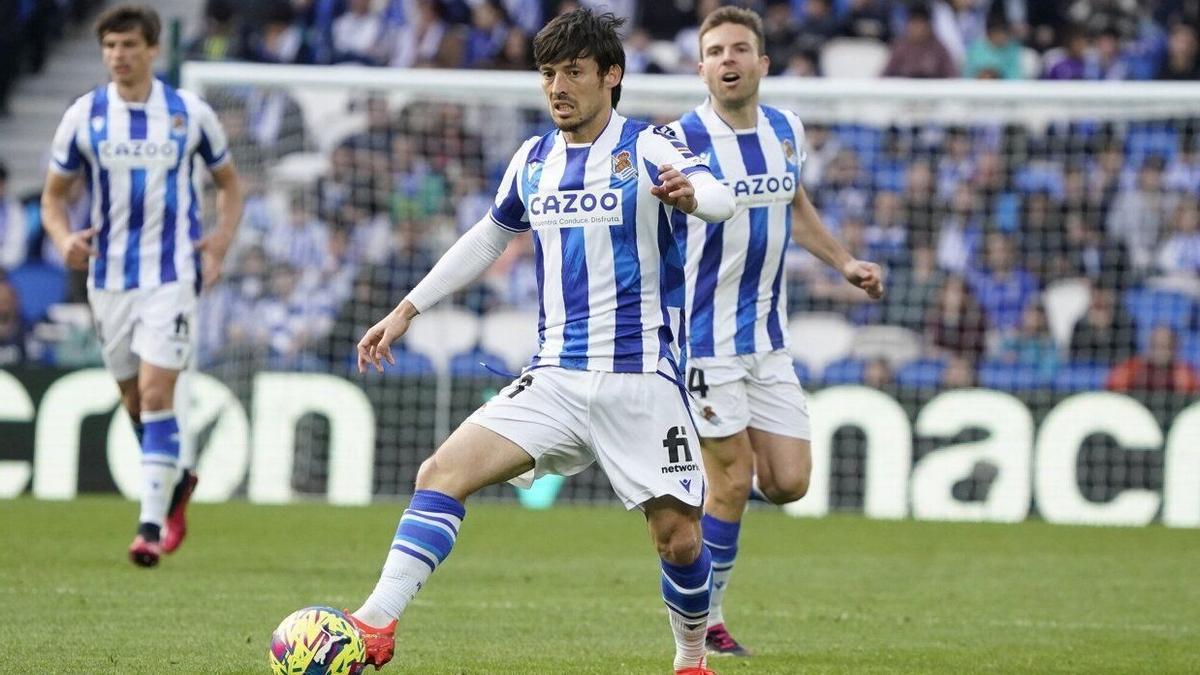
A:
{"x":680,"y":543}
{"x":731,"y":490}
{"x":788,"y":490}
{"x":429,"y":474}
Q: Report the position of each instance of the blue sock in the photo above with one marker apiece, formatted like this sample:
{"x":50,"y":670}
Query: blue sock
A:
{"x":721,"y":536}
{"x":160,"y":464}
{"x":685,"y":590}
{"x":424,"y":538}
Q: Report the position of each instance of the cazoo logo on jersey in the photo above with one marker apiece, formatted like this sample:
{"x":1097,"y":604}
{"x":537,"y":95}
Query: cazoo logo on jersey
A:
{"x":138,"y":154}
{"x":763,"y":190}
{"x":575,"y":208}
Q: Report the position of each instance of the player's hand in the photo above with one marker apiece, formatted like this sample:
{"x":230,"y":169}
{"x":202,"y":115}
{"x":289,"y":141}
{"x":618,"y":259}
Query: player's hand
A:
{"x":77,"y":249}
{"x":212,"y":250}
{"x":376,"y":346}
{"x":674,"y":189}
{"x":866,"y":275}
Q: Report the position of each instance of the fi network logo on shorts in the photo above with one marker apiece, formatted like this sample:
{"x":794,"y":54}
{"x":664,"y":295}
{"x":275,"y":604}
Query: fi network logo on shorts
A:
{"x":679,"y":452}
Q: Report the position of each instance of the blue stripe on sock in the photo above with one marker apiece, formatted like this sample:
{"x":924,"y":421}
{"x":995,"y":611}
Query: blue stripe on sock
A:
{"x":433,"y":501}
{"x":421,"y":557}
{"x":722,"y":537}
{"x":161,"y":437}
{"x":695,"y":579}
{"x":435,"y":518}
{"x":428,"y":536}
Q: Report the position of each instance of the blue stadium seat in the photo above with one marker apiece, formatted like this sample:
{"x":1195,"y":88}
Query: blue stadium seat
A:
{"x":409,"y":363}
{"x":921,"y":374}
{"x":1011,"y":377}
{"x":844,"y":371}
{"x":38,"y":286}
{"x":1155,"y":307}
{"x":468,"y":363}
{"x":1077,"y":376}
{"x":802,"y":372}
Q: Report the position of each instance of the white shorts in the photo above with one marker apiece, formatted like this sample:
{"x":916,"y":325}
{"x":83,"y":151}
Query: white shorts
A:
{"x":731,"y":393}
{"x":635,"y":425}
{"x":150,"y":324}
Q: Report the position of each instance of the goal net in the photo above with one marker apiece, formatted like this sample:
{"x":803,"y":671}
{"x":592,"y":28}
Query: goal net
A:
{"x":1040,"y":240}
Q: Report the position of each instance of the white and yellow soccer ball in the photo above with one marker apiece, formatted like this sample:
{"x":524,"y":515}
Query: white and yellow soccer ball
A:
{"x":317,"y":641}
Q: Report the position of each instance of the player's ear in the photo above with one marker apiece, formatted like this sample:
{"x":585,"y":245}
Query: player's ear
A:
{"x":764,"y":65}
{"x":613,"y":77}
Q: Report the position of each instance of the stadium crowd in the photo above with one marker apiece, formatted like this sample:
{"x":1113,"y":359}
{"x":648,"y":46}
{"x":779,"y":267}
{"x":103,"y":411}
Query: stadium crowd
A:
{"x":978,"y":226}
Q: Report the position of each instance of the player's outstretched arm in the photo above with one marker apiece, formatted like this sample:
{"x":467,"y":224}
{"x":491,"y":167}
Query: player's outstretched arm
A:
{"x":74,"y":247}
{"x":468,"y":258}
{"x":229,"y":213}
{"x":808,"y":231}
{"x":701,"y":195}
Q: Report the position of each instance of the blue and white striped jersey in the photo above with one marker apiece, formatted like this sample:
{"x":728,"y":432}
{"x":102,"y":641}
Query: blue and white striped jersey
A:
{"x":736,"y":302}
{"x":138,"y":160}
{"x":606,"y":261}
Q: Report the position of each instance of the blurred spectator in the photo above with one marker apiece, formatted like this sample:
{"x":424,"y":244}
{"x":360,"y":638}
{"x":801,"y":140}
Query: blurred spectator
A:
{"x":688,"y":39}
{"x":639,"y":58}
{"x":779,"y":36}
{"x":526,"y":14}
{"x":960,"y":235}
{"x":1003,"y":289}
{"x":959,"y":373}
{"x":826,"y":285}
{"x":12,"y":329}
{"x":1031,"y":346}
{"x":1102,"y":259}
{"x":14,"y":232}
{"x":802,"y":64}
{"x":1070,"y":62}
{"x":1139,"y":216}
{"x":956,"y":322}
{"x":418,"y":41}
{"x":1105,"y":333}
{"x":1179,"y":254}
{"x":995,"y":55}
{"x":817,"y":25}
{"x":1120,"y":17}
{"x":822,"y":147}
{"x":299,"y":241}
{"x":878,"y":373}
{"x":958,"y":23}
{"x":1159,"y":370}
{"x":488,"y":33}
{"x":279,"y":39}
{"x":1046,"y":250}
{"x":1109,"y":61}
{"x":218,"y":37}
{"x":919,"y":53}
{"x":289,"y":321}
{"x":920,"y":206}
{"x":517,"y":52}
{"x":956,"y":162}
{"x":887,"y":236}
{"x":1182,"y":58}
{"x":868,"y":19}
{"x":1183,"y":172}
{"x":913,"y":287}
{"x":1047,"y":24}
{"x":357,"y":34}
{"x":843,"y":192}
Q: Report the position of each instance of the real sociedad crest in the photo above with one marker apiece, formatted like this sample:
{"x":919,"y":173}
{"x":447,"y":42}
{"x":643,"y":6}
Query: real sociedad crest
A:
{"x":789,"y":151}
{"x":178,"y":124}
{"x":622,"y":165}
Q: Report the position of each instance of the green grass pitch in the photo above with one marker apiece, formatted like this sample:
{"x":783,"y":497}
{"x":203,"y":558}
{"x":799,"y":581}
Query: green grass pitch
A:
{"x":575,"y":590}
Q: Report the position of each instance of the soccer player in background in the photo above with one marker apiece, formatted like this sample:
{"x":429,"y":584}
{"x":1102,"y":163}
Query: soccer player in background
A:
{"x":749,"y":407}
{"x":604,"y":386}
{"x":134,"y":141}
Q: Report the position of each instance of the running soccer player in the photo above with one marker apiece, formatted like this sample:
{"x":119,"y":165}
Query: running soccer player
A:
{"x":603,"y":387}
{"x":134,"y":141}
{"x":750,"y":409}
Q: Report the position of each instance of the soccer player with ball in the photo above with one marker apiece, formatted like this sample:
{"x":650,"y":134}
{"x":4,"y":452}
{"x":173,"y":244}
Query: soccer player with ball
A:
{"x":749,"y":407}
{"x":134,"y":141}
{"x":597,"y":194}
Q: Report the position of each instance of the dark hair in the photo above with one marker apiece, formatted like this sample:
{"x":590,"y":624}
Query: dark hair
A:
{"x":740,"y":16}
{"x":579,"y":34}
{"x":123,"y":18}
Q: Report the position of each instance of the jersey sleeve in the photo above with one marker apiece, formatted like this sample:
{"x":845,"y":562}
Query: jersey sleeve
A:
{"x":214,"y":146}
{"x":660,"y":145}
{"x":508,"y":211}
{"x":65,"y":157}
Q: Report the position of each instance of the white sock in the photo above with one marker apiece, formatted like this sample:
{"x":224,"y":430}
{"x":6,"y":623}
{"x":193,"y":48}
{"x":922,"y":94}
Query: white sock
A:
{"x":160,"y":464}
{"x":720,"y":581}
{"x":402,"y":577}
{"x":689,"y":641}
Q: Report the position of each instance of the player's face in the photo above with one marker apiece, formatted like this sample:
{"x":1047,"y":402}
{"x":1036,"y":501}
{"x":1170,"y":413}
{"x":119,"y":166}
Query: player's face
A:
{"x":731,"y":65}
{"x":127,"y":56}
{"x":577,"y":93}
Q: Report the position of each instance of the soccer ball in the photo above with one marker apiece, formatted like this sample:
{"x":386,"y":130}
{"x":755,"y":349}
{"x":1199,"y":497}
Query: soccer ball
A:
{"x":317,"y":641}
